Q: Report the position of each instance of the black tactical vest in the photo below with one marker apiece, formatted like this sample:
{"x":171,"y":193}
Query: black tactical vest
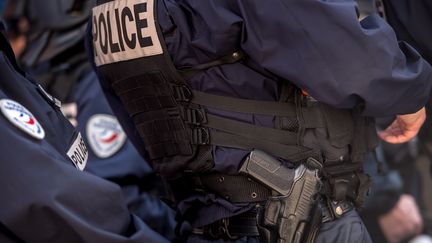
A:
{"x":178,"y":133}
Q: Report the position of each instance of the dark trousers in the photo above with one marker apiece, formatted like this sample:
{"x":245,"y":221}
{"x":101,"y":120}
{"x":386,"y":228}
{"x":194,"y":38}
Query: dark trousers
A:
{"x":349,"y":229}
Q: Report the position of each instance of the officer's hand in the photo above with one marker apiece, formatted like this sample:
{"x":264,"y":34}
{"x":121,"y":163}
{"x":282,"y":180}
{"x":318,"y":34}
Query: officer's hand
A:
{"x":404,"y":127}
{"x":403,"y":221}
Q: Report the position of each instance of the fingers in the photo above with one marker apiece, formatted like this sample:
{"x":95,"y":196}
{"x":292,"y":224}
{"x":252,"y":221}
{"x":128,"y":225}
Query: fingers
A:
{"x":409,"y":207}
{"x":397,"y":133}
{"x":404,"y":128}
{"x":403,"y":221}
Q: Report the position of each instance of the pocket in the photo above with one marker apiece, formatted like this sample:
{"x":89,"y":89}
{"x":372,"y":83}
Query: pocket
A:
{"x":339,"y":125}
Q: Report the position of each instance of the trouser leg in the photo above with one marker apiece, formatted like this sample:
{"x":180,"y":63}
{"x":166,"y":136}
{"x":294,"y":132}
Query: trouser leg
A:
{"x":348,"y":228}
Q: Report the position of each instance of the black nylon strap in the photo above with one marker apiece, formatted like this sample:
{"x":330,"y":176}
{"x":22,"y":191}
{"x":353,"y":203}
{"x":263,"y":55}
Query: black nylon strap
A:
{"x":270,"y":108}
{"x":312,"y":117}
{"x":289,"y":152}
{"x":251,"y":131}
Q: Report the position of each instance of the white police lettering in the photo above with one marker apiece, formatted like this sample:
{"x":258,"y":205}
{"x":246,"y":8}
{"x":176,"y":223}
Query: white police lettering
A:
{"x":22,"y":118}
{"x":78,"y":153}
{"x":124,"y":30}
{"x":105,"y":135}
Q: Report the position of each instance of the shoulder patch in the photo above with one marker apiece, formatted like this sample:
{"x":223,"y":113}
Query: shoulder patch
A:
{"x":124,"y":30}
{"x":105,"y":135}
{"x":22,"y":118}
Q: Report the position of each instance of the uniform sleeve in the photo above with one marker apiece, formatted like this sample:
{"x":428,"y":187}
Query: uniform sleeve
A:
{"x":321,"y":47}
{"x":45,"y":199}
{"x":411,"y":21}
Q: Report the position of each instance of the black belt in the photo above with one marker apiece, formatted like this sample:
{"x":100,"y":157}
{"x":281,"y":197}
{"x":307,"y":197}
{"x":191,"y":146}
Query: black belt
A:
{"x":334,"y":210}
{"x":234,"y":188}
{"x":231,"y":228}
{"x":245,"y":225}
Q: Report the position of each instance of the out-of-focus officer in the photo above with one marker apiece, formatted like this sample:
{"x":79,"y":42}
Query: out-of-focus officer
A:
{"x":258,"y":113}
{"x":46,"y":197}
{"x":393,"y":211}
{"x":55,"y":55}
{"x":398,"y":215}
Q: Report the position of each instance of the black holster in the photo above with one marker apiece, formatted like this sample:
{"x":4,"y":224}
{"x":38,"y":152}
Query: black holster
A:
{"x":286,"y":218}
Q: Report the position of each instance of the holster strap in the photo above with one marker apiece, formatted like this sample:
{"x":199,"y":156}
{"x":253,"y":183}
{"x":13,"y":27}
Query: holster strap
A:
{"x":234,"y":188}
{"x":333,"y":210}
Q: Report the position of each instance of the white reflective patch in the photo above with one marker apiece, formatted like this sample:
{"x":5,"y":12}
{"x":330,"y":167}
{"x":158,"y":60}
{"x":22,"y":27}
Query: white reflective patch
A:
{"x":105,"y":135}
{"x":124,"y":30}
{"x":22,"y":118}
{"x":78,"y":153}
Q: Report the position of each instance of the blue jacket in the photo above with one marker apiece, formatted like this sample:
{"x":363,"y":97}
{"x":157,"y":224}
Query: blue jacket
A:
{"x":411,"y":21}
{"x":45,"y":198}
{"x":118,"y":161}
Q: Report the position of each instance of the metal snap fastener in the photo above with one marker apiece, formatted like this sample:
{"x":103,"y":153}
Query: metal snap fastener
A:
{"x":338,"y":211}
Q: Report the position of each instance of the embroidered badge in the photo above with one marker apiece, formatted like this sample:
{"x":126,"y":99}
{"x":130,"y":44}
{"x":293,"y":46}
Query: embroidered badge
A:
{"x":105,"y":135}
{"x":22,"y":118}
{"x":78,"y":153}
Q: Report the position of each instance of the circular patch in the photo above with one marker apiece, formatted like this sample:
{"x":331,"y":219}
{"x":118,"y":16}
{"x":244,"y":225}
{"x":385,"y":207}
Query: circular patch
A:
{"x":21,"y":118}
{"x":105,"y":135}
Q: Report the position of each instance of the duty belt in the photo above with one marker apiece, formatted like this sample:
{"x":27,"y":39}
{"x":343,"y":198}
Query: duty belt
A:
{"x":245,"y":224}
{"x":243,"y":189}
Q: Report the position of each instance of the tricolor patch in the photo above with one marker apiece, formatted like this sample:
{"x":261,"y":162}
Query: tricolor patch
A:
{"x":22,"y":118}
{"x":105,"y":135}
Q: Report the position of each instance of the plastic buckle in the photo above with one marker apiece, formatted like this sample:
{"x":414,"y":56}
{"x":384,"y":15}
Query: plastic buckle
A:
{"x":194,"y":116}
{"x":182,"y":93}
{"x":200,"y":136}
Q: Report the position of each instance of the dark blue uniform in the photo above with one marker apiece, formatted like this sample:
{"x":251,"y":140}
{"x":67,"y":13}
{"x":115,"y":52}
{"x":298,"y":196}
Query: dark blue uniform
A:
{"x":317,"y":45}
{"x":59,"y":63}
{"x":411,"y":20}
{"x":44,"y":197}
{"x":123,"y":165}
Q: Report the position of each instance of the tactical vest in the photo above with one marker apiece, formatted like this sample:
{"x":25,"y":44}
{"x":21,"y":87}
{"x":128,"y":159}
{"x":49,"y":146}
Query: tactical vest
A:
{"x":178,"y":131}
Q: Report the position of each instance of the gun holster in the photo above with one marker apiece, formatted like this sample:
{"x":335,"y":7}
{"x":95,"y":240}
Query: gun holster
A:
{"x":286,"y":217}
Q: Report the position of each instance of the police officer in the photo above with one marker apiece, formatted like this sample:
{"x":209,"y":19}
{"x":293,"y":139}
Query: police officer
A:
{"x":46,"y":197}
{"x":256,"y":112}
{"x":55,"y":55}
